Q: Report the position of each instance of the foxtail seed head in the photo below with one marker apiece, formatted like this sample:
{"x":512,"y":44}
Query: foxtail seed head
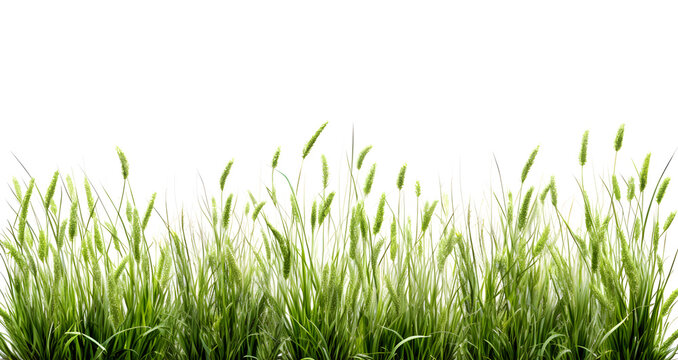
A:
{"x":17,"y":189}
{"x":426,"y":217}
{"x":662,"y":190}
{"x":26,"y":202}
{"x":539,"y":246}
{"x":257,"y":210}
{"x":314,"y":215}
{"x":524,"y":209}
{"x":669,"y":220}
{"x":226,"y":216}
{"x":643,"y":172}
{"x":369,"y":180}
{"x":326,"y":171}
{"x":394,"y":241}
{"x":615,"y":188}
{"x":631,"y":189}
{"x":149,"y":210}
{"x":528,"y":164}
{"x":51,"y":189}
{"x":554,"y":191}
{"x":584,"y":148}
{"x":619,"y":138}
{"x":401,"y":177}
{"x":311,"y":141}
{"x":42,"y":246}
{"x":123,"y":163}
{"x":224,"y":175}
{"x":361,"y":156}
{"x":379,"y":219}
{"x":354,"y":234}
{"x":73,"y":220}
{"x":136,"y":236}
{"x":276,"y":156}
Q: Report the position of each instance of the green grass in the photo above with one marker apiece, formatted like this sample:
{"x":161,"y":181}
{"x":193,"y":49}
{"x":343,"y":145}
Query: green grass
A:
{"x":347,"y":273}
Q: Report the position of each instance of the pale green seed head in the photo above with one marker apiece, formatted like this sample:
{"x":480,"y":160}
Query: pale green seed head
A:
{"x":49,"y":195}
{"x":73,"y":220}
{"x":619,"y":138}
{"x":662,"y":190}
{"x":326,"y":172}
{"x":224,"y":175}
{"x":401,"y":177}
{"x":149,"y":210}
{"x":17,"y":189}
{"x":528,"y":164}
{"x":631,"y":189}
{"x":276,"y":157}
{"x":643,"y":172}
{"x":554,"y":191}
{"x":524,"y":209}
{"x":123,"y":163}
{"x":361,"y":156}
{"x":379,"y":218}
{"x":669,"y":220}
{"x":615,"y":188}
{"x":311,"y":141}
{"x":226,"y":215}
{"x":369,"y":180}
{"x":584,"y":148}
{"x":257,"y":210}
{"x":314,"y":214}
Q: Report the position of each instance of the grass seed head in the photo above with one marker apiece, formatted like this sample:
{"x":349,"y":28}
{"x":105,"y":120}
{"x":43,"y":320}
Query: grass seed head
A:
{"x":17,"y":189}
{"x":668,"y":303}
{"x":539,"y":246}
{"x":42,"y":246}
{"x":361,"y":156}
{"x":369,"y":180}
{"x":49,"y":195}
{"x":401,"y":177}
{"x":136,"y":236}
{"x":554,"y":191}
{"x":643,"y":172}
{"x":149,"y":210}
{"x":619,"y":138}
{"x":73,"y":220}
{"x":669,"y":220}
{"x":524,"y":209}
{"x":584,"y":148}
{"x":311,"y":141}
{"x":379,"y":218}
{"x":354,"y":233}
{"x":393,"y":247}
{"x":615,"y":188}
{"x":224,"y":175}
{"x":276,"y":156}
{"x":226,"y":215}
{"x":326,"y":172}
{"x":528,"y":164}
{"x":427,"y":215}
{"x":25,"y":204}
{"x":662,"y":190}
{"x":257,"y":210}
{"x":631,"y":189}
{"x":123,"y":163}
{"x":314,"y":215}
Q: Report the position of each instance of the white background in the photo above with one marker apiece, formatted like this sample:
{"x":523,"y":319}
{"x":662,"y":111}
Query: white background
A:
{"x":184,"y":87}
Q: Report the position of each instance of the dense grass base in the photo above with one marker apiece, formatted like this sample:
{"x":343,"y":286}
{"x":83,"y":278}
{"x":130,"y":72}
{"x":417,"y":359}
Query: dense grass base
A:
{"x":349,"y":275}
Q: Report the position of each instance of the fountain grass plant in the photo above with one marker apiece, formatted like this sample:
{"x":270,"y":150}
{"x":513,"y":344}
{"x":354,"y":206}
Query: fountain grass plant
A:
{"x":346,"y":273}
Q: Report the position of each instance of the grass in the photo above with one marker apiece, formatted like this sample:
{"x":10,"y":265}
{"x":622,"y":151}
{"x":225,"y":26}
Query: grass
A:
{"x":346,"y":273}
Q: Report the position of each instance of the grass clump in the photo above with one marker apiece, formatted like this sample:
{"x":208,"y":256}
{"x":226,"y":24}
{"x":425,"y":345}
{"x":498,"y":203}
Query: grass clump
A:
{"x":342,"y":273}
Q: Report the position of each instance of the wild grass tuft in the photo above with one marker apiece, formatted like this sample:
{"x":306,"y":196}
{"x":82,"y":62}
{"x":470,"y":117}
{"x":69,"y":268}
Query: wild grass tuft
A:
{"x":520,"y":279}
